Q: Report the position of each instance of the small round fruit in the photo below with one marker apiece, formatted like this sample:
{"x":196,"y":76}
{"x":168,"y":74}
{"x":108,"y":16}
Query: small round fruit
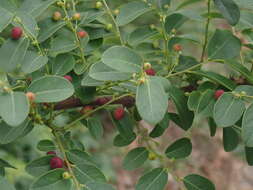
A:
{"x":51,"y":153}
{"x":151,"y":156}
{"x":99,"y":5}
{"x":119,"y":113}
{"x":86,"y":109}
{"x":69,"y":78}
{"x":218,"y":94}
{"x":108,"y":27}
{"x":76,"y":16}
{"x":66,"y":175}
{"x":16,"y":33}
{"x":56,"y":162}
{"x":82,"y":34}
{"x":101,"y":101}
{"x":177,"y":47}
{"x":57,"y":16}
{"x":150,"y":72}
{"x":31,"y":96}
{"x":147,"y":66}
{"x":116,"y":11}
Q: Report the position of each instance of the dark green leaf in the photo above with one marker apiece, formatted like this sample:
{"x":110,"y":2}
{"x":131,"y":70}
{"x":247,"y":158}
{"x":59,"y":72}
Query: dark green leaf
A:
{"x":135,"y":158}
{"x":181,"y":148}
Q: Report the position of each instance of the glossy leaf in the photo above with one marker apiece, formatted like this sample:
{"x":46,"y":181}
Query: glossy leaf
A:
{"x":216,"y":78}
{"x":63,"y":64}
{"x":6,"y":18}
{"x":95,"y":127}
{"x":174,"y":21}
{"x":179,"y":149}
{"x":46,"y":145}
{"x":39,"y":166}
{"x":12,"y":54}
{"x":14,"y":108}
{"x":101,"y":72}
{"x":122,"y":59}
{"x":51,"y":89}
{"x":229,"y":10}
{"x":230,"y":139}
{"x":223,"y":45}
{"x":33,"y":61}
{"x":247,"y":132}
{"x":9,"y":134}
{"x":151,"y":101}
{"x":131,"y":11}
{"x":160,"y":128}
{"x":51,"y":180}
{"x":135,"y":158}
{"x":185,"y":116}
{"x":228,"y":110}
{"x":155,"y":179}
{"x":197,"y":182}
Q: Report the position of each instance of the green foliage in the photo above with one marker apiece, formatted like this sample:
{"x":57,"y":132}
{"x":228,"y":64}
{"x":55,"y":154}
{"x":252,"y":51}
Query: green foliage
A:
{"x":151,"y":58}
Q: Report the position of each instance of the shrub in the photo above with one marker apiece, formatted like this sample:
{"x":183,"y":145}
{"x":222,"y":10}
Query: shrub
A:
{"x":131,"y":59}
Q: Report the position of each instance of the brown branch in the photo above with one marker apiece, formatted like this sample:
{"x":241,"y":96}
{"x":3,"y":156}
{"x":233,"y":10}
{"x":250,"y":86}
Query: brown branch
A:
{"x":75,"y":102}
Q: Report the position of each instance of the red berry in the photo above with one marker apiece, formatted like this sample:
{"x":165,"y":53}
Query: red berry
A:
{"x":119,"y":113}
{"x":218,"y":94}
{"x":177,"y":47}
{"x":68,"y":77}
{"x":56,"y":162}
{"x":16,"y":33}
{"x":82,"y":34}
{"x":51,"y":153}
{"x":150,"y":72}
{"x":86,"y":109}
{"x":102,"y":101}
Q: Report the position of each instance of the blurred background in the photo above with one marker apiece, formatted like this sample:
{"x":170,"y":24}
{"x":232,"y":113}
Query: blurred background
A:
{"x":229,"y":171}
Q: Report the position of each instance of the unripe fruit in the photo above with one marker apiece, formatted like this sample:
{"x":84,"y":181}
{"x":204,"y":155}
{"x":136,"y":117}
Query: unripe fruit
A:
{"x":69,"y":78}
{"x":16,"y":33}
{"x":66,"y":175}
{"x":152,"y":156}
{"x":31,"y":96}
{"x":218,"y":94}
{"x":142,"y":80}
{"x":116,"y":11}
{"x":99,"y":5}
{"x":177,"y":47}
{"x":108,"y":27}
{"x":57,"y":16}
{"x":147,"y":66}
{"x":56,"y":162}
{"x":86,"y":109}
{"x":51,"y":153}
{"x":82,"y":34}
{"x":150,"y":72}
{"x":76,"y":16}
{"x":118,"y":113}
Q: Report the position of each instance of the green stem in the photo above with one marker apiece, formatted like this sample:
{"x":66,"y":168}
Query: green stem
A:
{"x":114,"y":21}
{"x":206,"y":31}
{"x":184,"y":71}
{"x":74,"y":30}
{"x":63,"y":151}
